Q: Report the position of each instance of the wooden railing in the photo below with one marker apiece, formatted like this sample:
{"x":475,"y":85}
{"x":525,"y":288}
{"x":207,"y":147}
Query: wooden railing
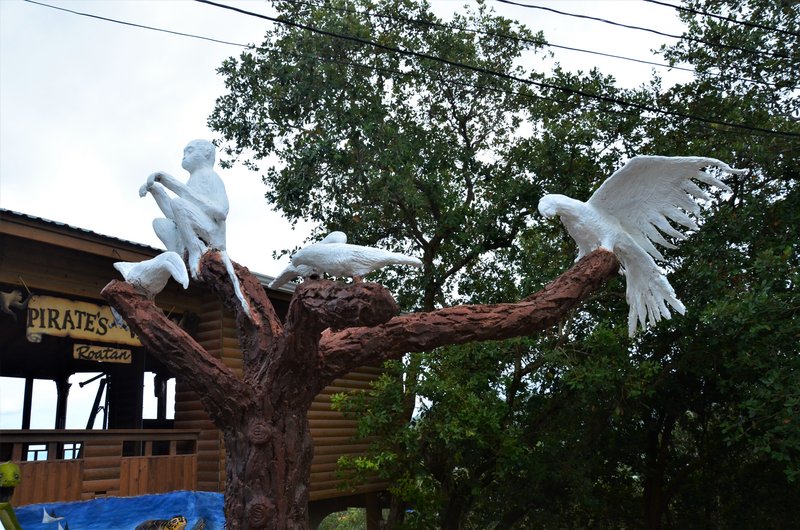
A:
{"x":70,"y":465}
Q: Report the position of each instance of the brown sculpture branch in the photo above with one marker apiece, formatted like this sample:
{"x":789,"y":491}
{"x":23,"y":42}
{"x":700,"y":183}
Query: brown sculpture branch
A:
{"x":221,"y":392}
{"x":338,"y":306}
{"x":260,"y":328}
{"x":347,"y":349}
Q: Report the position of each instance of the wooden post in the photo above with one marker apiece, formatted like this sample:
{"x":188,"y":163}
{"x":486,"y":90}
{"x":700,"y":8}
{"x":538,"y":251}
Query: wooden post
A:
{"x":62,"y":387}
{"x":373,"y":507}
{"x":27,"y":402}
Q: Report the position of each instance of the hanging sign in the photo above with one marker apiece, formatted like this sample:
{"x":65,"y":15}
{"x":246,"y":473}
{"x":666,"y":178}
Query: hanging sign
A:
{"x":48,"y":315}
{"x":101,"y":354}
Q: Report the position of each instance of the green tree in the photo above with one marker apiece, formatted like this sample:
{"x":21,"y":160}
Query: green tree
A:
{"x":580,"y":427}
{"x":443,"y":162}
{"x":710,"y":436}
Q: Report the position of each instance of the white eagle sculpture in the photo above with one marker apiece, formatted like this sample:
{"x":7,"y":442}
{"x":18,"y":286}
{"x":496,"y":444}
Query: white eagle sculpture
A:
{"x":334,"y":256}
{"x":151,"y":276}
{"x":628,"y":214}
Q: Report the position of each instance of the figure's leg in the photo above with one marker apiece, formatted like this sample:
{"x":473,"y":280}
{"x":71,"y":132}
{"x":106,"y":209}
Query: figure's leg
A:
{"x":192,"y":226}
{"x":167,"y":232}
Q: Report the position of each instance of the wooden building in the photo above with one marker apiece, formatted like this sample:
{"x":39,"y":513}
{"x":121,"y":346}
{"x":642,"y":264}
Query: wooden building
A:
{"x":54,"y":324}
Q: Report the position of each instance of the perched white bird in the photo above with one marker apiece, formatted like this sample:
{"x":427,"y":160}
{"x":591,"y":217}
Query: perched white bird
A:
{"x":335,"y":257}
{"x":304,"y":271}
{"x":627,"y":215}
{"x":149,"y":277}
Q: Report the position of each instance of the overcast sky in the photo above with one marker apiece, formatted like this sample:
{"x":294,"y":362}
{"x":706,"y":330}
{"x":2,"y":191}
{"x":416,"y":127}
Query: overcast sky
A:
{"x":89,"y":108}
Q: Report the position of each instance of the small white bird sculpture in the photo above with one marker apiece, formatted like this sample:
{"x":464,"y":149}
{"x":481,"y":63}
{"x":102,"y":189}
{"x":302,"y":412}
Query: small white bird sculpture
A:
{"x":304,"y":271}
{"x":151,"y":276}
{"x":334,"y":256}
{"x":627,"y":215}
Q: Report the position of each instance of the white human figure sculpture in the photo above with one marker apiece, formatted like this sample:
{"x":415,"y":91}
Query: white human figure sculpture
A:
{"x":292,"y":271}
{"x":334,"y":256}
{"x":628,"y":214}
{"x":194,"y":219}
{"x":149,"y":277}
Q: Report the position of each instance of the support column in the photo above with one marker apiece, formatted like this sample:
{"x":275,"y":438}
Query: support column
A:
{"x":62,"y":386}
{"x":27,"y":403}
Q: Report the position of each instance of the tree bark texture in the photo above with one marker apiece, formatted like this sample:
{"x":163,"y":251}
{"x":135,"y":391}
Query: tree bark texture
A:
{"x":330,"y":330}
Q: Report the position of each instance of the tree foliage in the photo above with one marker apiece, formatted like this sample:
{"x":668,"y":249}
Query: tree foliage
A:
{"x":693,"y":424}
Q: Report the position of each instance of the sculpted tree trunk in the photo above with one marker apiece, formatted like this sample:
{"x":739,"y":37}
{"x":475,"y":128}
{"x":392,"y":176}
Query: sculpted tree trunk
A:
{"x":330,"y":329}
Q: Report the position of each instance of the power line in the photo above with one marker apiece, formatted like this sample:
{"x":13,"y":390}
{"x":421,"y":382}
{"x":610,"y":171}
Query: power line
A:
{"x":137,"y":25}
{"x":649,"y":30}
{"x":537,"y":42}
{"x":581,"y":93}
{"x":478,"y":69}
{"x":722,"y":17}
{"x":431,"y":23}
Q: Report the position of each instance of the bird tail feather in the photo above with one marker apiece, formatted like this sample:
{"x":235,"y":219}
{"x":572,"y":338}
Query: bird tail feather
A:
{"x":237,"y":289}
{"x":402,"y":259}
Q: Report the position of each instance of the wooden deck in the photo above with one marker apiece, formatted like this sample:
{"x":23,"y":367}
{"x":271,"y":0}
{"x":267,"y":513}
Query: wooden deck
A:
{"x":72,"y":465}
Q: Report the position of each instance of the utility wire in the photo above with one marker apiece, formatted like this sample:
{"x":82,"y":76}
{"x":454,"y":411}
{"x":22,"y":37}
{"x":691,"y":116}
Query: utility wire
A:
{"x":606,"y":99}
{"x":486,"y":71}
{"x":639,"y":28}
{"x":537,"y":42}
{"x":487,"y":87}
{"x":418,"y":21}
{"x":137,"y":25}
{"x":722,"y":17}
{"x":431,"y":23}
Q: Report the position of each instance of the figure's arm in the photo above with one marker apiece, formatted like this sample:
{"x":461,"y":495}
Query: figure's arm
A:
{"x":166,"y":180}
{"x":210,"y":195}
{"x":160,"y":195}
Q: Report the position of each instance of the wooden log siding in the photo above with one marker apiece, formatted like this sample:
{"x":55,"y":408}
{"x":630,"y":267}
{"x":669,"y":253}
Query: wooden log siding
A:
{"x":334,"y":437}
{"x":101,"y":470}
{"x":58,"y":481}
{"x":189,"y":412}
{"x":157,"y":474}
{"x":29,"y":249}
{"x":333,"y":433}
{"x":76,"y":274}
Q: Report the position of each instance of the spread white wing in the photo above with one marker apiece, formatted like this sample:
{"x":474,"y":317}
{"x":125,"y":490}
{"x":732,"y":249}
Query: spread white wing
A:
{"x":648,"y":292}
{"x":650,"y":191}
{"x":644,"y":197}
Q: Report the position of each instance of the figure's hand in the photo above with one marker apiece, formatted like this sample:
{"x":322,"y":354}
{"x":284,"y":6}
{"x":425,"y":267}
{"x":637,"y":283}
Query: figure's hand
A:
{"x":152,"y":179}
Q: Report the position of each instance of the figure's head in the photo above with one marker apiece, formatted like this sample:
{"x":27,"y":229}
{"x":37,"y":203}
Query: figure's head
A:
{"x":197,"y":154}
{"x":551,"y":205}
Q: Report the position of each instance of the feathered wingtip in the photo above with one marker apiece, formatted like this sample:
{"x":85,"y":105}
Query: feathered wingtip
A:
{"x":648,"y":303}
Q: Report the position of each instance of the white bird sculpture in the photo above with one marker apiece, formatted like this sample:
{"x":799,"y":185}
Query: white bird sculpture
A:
{"x":151,"y":276}
{"x":292,"y":271}
{"x":627,"y":215}
{"x":334,"y":256}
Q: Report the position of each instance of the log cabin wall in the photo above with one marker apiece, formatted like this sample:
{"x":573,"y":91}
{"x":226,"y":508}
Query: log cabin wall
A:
{"x":52,"y":258}
{"x":189,"y":412}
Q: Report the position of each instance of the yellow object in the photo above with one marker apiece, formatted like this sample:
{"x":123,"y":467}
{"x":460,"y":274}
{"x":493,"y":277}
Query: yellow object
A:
{"x":9,"y":475}
{"x":7,"y":518}
{"x":176,"y":523}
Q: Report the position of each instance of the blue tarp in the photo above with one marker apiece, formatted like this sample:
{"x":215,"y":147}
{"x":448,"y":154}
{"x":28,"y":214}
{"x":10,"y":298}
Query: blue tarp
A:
{"x":124,"y":513}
